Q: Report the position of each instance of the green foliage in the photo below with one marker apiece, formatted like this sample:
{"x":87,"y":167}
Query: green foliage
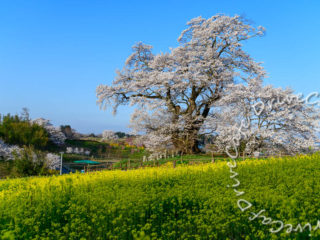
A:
{"x":8,"y":236}
{"x":67,"y":157}
{"x":108,"y":150}
{"x":188,"y":202}
{"x":93,"y":146}
{"x":29,"y":162}
{"x":122,"y":134}
{"x":19,"y":131}
{"x":5,"y":168}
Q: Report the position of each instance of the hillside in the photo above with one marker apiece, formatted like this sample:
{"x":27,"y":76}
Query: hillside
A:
{"x":186,"y":202}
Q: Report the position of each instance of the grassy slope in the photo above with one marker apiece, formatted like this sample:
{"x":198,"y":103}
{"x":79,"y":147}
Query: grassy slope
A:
{"x":189,"y":202}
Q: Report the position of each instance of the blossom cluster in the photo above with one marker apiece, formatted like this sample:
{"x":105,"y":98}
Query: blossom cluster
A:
{"x":55,"y":133}
{"x":77,"y":150}
{"x":7,"y":151}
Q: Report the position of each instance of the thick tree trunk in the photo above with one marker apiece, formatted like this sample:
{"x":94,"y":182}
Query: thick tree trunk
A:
{"x":186,"y":142}
{"x":195,"y":148}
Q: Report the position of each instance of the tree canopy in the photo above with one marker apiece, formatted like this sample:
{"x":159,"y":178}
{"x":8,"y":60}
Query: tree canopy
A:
{"x":20,"y":131}
{"x":176,"y":91}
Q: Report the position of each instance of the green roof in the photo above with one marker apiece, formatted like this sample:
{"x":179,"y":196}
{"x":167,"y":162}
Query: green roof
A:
{"x":86,"y":162}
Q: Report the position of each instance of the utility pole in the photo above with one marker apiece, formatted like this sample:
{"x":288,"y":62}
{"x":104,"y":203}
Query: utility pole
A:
{"x":61,"y":163}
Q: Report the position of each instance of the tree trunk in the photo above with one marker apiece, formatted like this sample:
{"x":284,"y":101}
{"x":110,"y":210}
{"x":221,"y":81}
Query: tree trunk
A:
{"x":186,"y":140}
{"x":195,"y":147}
{"x":187,"y":143}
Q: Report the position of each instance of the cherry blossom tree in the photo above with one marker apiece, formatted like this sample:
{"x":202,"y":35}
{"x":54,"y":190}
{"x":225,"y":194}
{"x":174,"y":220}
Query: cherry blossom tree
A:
{"x":52,"y":161}
{"x":55,"y":133}
{"x":109,"y":135}
{"x":7,"y":151}
{"x":272,"y":119}
{"x":175,"y":92}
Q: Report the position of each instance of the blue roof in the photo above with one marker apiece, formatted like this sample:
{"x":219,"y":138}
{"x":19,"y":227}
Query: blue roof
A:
{"x":86,"y":162}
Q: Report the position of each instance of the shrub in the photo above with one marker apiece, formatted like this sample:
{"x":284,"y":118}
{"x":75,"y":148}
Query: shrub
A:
{"x":29,"y":162}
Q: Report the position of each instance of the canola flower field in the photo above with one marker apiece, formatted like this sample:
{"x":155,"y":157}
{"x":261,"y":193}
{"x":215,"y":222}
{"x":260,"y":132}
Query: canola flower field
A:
{"x":186,"y":202}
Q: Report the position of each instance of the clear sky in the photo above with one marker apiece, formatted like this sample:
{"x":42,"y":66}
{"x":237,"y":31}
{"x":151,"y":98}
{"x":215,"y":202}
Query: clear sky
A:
{"x":53,"y":54}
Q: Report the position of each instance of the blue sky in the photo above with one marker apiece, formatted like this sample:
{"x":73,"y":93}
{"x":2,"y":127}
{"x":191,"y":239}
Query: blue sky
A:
{"x":53,"y":54}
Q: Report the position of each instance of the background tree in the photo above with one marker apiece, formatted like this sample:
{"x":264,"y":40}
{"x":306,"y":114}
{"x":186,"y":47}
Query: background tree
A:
{"x":25,"y":114}
{"x":31,"y":162}
{"x":122,"y":134}
{"x":67,"y":131}
{"x":18,"y":130}
{"x":185,"y":83}
{"x":55,"y":133}
{"x":7,"y":151}
{"x":109,"y":135}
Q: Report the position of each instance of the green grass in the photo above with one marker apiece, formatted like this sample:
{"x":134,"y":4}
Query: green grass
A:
{"x":188,"y":159}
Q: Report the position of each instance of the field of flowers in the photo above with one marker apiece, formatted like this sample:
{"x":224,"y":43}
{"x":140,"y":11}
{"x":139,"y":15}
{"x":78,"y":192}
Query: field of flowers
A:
{"x":187,"y":202}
